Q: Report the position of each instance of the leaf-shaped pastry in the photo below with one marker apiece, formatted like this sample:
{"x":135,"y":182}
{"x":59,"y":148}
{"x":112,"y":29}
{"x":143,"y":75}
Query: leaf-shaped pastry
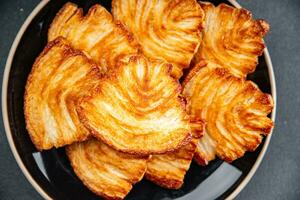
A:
{"x":137,"y":109}
{"x":165,"y":29}
{"x":96,"y":34}
{"x":59,"y":76}
{"x":105,"y":171}
{"x":235,"y":112}
{"x":168,"y":170}
{"x":231,"y":38}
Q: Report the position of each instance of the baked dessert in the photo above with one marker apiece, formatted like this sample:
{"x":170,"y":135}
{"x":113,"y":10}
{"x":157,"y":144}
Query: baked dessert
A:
{"x":105,"y":171}
{"x":231,"y":38}
{"x":96,"y":34}
{"x":235,"y":112}
{"x":137,"y":109}
{"x":167,"y":29}
{"x":59,"y":77}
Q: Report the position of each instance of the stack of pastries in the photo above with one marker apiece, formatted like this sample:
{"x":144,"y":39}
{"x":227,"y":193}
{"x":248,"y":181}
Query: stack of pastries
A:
{"x":144,"y":90}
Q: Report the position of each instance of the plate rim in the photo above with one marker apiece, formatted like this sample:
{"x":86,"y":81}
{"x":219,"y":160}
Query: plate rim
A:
{"x":17,"y":157}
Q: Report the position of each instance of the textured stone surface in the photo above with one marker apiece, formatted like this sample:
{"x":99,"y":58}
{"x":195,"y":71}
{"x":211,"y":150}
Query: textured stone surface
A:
{"x":278,"y":177}
{"x":13,"y":184}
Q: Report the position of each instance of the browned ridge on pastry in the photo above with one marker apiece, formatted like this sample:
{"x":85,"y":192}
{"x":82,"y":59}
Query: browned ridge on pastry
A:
{"x":105,"y":171}
{"x":102,"y":39}
{"x":231,"y":38}
{"x":137,"y":109}
{"x":165,"y":29}
{"x":235,"y":112}
{"x":168,"y":170}
{"x":59,"y":76}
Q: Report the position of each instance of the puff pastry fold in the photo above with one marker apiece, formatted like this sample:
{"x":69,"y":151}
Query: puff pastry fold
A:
{"x":96,"y":34}
{"x":168,"y":170}
{"x":137,"y":109}
{"x":103,"y":170}
{"x":165,"y":29}
{"x":235,"y":112}
{"x":231,"y":38}
{"x":59,"y":77}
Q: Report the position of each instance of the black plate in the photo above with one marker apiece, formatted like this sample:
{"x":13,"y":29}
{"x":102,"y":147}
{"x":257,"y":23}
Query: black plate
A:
{"x":51,"y":169}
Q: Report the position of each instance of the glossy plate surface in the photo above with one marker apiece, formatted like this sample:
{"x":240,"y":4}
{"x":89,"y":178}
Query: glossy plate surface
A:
{"x":50,"y":172}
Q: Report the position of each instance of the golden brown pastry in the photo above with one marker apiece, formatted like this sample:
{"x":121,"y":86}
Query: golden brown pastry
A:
{"x":103,"y":170}
{"x":235,"y":112}
{"x":165,"y":29}
{"x":168,"y":170}
{"x":102,"y":39}
{"x":59,"y":76}
{"x":231,"y":38}
{"x":137,"y":109}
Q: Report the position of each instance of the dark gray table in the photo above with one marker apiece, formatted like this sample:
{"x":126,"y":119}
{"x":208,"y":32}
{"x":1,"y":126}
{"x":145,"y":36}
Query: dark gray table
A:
{"x":278,"y":177}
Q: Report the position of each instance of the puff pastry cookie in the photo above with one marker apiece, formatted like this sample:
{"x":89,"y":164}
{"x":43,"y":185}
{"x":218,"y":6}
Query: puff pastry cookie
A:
{"x":137,"y":109}
{"x":105,"y":171}
{"x":165,"y":29}
{"x":96,"y":34}
{"x":59,"y":77}
{"x":235,"y":112}
{"x":231,"y":38}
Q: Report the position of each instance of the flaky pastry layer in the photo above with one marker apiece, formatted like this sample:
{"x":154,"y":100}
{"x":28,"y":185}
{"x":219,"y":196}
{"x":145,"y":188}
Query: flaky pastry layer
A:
{"x":231,"y":38}
{"x":235,"y":112}
{"x":137,"y":109}
{"x":105,"y":171}
{"x":96,"y":34}
{"x":168,"y":170}
{"x":59,"y":77}
{"x":165,"y":29}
